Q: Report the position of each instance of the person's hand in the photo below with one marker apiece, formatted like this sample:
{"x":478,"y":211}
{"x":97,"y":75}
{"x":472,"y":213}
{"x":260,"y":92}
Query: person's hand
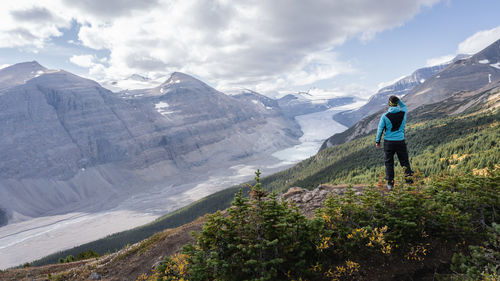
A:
{"x":377,"y":144}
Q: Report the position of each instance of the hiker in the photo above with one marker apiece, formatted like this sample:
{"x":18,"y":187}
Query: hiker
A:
{"x":393,"y":123}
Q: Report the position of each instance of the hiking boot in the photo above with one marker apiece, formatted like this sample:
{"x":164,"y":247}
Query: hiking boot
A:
{"x":409,"y":179}
{"x":390,"y":185}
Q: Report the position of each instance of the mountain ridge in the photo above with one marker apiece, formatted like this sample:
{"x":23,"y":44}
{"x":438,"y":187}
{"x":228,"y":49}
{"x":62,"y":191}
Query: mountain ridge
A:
{"x":67,"y":133}
{"x":460,"y":80}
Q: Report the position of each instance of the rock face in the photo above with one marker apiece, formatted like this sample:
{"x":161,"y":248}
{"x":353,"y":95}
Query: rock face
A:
{"x":459,"y":86}
{"x":66,"y":141}
{"x":310,"y":200}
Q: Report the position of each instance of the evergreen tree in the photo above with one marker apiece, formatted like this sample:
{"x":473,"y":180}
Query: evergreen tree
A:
{"x":259,"y":238}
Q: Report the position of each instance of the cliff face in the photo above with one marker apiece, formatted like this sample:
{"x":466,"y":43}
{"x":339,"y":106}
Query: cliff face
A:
{"x":65,"y":140}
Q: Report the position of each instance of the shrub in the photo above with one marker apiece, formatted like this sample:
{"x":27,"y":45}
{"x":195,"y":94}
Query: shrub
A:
{"x":483,"y":262}
{"x":261,"y":238}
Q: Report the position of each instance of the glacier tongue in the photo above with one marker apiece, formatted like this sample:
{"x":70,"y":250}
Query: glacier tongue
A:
{"x":316,"y":128}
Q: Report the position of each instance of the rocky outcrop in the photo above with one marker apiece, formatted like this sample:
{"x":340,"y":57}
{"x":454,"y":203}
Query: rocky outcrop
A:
{"x":307,"y":201}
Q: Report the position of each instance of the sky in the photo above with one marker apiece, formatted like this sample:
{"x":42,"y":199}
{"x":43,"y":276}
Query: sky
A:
{"x":326,"y":47}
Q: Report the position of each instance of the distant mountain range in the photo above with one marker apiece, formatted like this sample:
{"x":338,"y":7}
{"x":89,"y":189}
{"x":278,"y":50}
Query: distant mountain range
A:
{"x":400,"y":88}
{"x":458,"y":86}
{"x":66,"y":142}
{"x":303,"y":103}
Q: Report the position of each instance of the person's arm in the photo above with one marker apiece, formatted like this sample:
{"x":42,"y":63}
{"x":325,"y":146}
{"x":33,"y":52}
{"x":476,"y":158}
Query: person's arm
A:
{"x":402,"y":106}
{"x":381,"y":126}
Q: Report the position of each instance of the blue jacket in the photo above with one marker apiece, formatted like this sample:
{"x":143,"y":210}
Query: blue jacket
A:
{"x":393,"y":122}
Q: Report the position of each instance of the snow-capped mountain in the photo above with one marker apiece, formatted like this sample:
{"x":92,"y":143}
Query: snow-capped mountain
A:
{"x":379,"y":100}
{"x":464,"y":75}
{"x":304,"y":103}
{"x":134,"y":81}
{"x":256,"y":98}
{"x":462,"y":84}
{"x":138,"y":77}
{"x":67,"y":143}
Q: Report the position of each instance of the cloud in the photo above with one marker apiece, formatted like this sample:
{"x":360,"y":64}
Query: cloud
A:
{"x":316,"y":67}
{"x":29,"y":23}
{"x":479,"y":41}
{"x":83,"y":60}
{"x":388,"y":83}
{"x":111,"y":8}
{"x":268,"y":42}
{"x":439,"y":60}
{"x":35,"y":14}
{"x":92,"y":63}
{"x":470,"y":46}
{"x":258,"y":44}
{"x":346,"y":90}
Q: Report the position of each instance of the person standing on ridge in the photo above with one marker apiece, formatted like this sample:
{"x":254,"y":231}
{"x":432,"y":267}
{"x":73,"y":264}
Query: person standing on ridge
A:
{"x":393,"y":123}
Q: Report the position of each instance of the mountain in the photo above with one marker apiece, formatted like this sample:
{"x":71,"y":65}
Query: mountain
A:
{"x":304,"y":103}
{"x":459,"y":86}
{"x":138,"y":77}
{"x":400,"y":88}
{"x":20,"y":73}
{"x":253,"y":97}
{"x":134,"y":81}
{"x":462,"y":76}
{"x":69,"y":144}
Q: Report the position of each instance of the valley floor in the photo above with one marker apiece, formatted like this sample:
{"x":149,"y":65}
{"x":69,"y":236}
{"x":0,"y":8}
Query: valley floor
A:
{"x":33,"y":239}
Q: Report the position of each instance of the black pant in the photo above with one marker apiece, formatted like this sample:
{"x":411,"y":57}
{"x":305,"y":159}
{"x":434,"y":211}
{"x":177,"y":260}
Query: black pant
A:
{"x":398,"y":147}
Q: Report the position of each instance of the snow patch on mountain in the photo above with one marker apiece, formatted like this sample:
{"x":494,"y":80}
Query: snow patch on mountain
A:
{"x":495,"y":65}
{"x":176,"y":81}
{"x":161,"y":107}
{"x":133,"y":82}
{"x":484,"y":61}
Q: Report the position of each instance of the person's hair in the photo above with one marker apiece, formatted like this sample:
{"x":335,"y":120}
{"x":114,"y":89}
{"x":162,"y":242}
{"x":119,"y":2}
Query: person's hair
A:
{"x":393,"y":101}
